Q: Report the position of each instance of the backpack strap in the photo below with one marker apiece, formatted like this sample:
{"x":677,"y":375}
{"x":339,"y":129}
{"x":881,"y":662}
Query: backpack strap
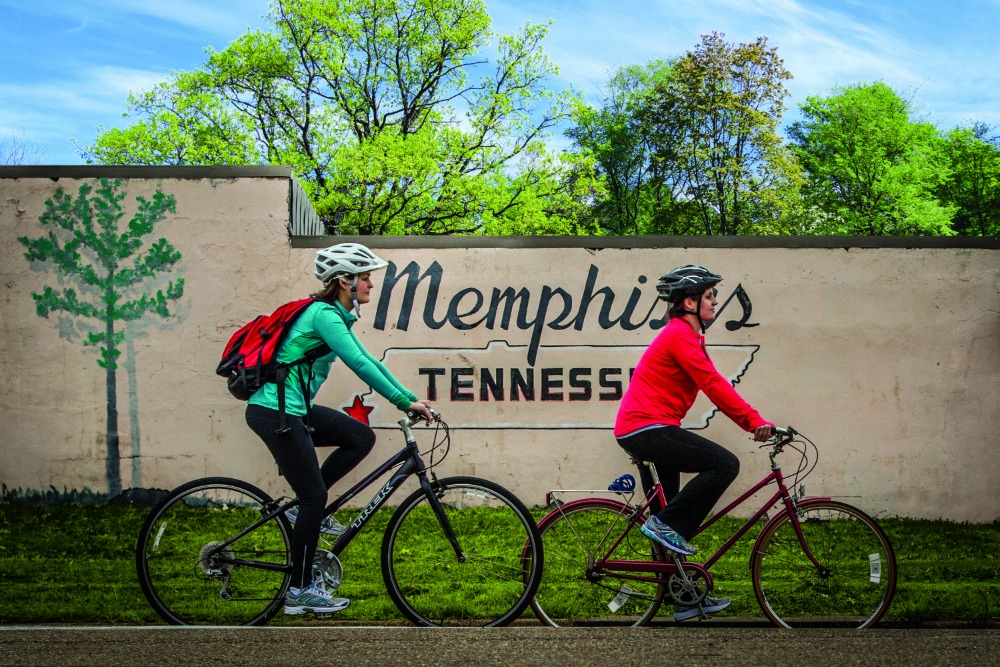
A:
{"x":280,"y":375}
{"x":305,"y":379}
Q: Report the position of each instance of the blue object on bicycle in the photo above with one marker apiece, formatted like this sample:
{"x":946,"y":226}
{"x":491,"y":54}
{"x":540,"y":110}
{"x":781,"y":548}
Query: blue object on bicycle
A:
{"x":623,"y":484}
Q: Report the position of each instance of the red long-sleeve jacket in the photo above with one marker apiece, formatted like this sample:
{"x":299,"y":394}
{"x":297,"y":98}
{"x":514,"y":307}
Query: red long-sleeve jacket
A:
{"x":667,"y":379}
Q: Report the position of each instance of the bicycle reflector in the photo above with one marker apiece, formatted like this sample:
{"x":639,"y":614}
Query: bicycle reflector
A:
{"x":624,"y":484}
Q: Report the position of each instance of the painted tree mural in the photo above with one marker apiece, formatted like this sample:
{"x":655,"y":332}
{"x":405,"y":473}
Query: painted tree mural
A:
{"x":103,"y":273}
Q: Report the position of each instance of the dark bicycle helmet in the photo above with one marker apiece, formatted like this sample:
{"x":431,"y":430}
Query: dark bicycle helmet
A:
{"x":685,"y":281}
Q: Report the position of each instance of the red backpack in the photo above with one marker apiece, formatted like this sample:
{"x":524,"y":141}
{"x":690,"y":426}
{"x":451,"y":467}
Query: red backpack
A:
{"x":250,"y":358}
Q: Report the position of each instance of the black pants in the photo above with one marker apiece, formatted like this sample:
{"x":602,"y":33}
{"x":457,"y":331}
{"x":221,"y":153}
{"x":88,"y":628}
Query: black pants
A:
{"x":295,"y":454}
{"x":672,"y":450}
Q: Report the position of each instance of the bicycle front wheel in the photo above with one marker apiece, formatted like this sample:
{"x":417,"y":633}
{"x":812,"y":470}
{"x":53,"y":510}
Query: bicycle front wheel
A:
{"x":572,"y":591}
{"x":854,"y":584}
{"x":194,"y":570}
{"x":486,"y":585}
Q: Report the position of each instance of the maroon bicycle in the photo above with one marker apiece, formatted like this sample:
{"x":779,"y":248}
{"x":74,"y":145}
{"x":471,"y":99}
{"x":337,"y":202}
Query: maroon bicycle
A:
{"x":816,"y":562}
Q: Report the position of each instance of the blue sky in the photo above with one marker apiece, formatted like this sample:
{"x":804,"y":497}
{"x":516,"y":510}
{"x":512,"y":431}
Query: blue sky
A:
{"x":67,"y":66}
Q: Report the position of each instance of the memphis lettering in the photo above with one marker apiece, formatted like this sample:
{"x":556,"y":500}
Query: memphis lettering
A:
{"x":553,"y":308}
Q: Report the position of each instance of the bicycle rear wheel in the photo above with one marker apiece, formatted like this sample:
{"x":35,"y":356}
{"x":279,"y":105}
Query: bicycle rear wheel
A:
{"x":431,"y":585}
{"x":853,"y":589}
{"x":572,"y":592}
{"x":186,"y":573}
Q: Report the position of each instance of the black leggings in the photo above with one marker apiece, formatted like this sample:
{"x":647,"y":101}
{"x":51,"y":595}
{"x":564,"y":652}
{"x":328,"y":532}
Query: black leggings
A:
{"x":295,"y":454}
{"x":672,"y":450}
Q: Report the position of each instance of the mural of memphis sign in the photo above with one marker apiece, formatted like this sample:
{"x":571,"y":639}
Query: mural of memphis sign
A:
{"x":514,"y":379}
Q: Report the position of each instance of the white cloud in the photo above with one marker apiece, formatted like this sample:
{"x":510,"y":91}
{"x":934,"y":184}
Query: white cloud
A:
{"x":100,"y":90}
{"x":943,"y":54}
{"x":92,"y":53}
{"x":55,"y":113}
{"x":222,"y":17}
{"x":120,"y":81}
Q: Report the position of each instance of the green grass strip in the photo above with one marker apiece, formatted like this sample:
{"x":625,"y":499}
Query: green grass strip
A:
{"x":75,"y":564}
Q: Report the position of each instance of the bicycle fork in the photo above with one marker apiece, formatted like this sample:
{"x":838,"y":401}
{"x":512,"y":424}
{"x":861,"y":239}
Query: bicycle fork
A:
{"x":433,"y":499}
{"x":435,"y":502}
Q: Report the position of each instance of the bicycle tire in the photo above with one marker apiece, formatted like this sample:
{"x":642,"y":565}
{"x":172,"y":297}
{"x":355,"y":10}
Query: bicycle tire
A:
{"x":860,"y":578}
{"x":423,"y":575}
{"x":569,"y":593}
{"x":174,"y":558}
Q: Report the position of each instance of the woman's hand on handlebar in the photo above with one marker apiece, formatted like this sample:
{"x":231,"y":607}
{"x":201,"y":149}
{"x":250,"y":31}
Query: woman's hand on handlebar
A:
{"x":422,"y":410}
{"x":762,"y":433}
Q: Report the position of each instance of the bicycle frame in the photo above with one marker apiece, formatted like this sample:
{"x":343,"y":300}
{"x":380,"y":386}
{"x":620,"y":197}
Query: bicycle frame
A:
{"x":664,"y":568}
{"x":410,"y":463}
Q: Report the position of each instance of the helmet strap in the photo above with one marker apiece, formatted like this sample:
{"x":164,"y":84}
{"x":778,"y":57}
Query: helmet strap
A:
{"x":696,"y":313}
{"x":354,"y":295}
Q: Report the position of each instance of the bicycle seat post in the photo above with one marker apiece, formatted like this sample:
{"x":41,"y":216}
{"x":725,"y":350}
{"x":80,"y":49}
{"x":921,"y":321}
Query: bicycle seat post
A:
{"x":652,"y":472}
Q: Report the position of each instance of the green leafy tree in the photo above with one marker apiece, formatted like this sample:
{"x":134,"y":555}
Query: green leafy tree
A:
{"x":872,"y":170}
{"x":715,"y":128}
{"x":974,"y":184}
{"x":621,"y":145}
{"x":390,"y":111}
{"x":104,"y":266}
{"x":183,"y":126}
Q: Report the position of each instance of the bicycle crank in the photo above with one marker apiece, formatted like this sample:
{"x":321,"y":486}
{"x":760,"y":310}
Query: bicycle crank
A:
{"x":327,"y":567}
{"x":687,"y":587}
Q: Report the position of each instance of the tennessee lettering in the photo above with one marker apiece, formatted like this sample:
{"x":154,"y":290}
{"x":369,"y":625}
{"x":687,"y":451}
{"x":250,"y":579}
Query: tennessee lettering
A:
{"x":467,"y":384}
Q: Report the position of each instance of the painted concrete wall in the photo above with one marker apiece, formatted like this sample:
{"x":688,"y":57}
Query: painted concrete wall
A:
{"x":887,"y":357}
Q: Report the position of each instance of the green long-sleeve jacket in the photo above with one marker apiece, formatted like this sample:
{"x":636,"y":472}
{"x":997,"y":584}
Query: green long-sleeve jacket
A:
{"x":331,"y":324}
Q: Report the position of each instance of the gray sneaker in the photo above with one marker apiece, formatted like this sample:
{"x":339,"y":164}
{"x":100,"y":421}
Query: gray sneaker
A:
{"x":710,"y":605}
{"x":315,"y":599}
{"x":660,"y":532}
{"x":329,"y":525}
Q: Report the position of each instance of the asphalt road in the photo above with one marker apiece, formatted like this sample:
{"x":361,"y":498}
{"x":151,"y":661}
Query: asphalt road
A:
{"x":680,"y":646}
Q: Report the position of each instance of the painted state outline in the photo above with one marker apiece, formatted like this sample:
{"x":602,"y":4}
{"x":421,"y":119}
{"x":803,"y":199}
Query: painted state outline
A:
{"x":702,"y":422}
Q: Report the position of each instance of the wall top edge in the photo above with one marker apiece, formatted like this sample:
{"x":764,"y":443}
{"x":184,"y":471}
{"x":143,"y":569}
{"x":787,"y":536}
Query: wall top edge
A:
{"x":56,"y":172}
{"x":602,"y":242}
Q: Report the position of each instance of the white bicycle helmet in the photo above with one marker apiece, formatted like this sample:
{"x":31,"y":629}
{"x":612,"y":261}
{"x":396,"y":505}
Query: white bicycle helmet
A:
{"x":346,"y":259}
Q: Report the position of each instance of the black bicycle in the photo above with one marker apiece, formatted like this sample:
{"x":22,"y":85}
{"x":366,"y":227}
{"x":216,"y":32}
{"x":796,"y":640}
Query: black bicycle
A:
{"x":216,"y":551}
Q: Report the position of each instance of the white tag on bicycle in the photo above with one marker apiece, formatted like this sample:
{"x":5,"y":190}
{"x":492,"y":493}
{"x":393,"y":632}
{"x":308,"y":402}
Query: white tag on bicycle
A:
{"x":874,"y":568}
{"x":620,"y":599}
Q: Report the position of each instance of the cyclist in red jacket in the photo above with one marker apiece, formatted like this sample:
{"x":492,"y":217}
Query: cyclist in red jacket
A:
{"x":663,"y":388}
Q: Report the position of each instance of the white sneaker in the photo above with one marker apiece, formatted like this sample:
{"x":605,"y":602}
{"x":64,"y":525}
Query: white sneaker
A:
{"x":710,"y":605}
{"x":315,"y":599}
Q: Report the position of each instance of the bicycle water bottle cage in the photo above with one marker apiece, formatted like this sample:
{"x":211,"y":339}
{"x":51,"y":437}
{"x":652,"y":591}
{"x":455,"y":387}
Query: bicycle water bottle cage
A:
{"x":624,"y":484}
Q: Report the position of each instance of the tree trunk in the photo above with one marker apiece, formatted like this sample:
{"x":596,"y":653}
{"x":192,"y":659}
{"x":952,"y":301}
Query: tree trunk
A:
{"x":112,"y":463}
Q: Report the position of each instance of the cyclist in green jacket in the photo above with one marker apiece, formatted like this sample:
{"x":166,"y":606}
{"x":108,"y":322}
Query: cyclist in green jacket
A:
{"x":345,"y":270}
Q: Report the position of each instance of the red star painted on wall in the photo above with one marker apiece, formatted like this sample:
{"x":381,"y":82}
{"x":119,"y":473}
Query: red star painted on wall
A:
{"x":359,"y":410}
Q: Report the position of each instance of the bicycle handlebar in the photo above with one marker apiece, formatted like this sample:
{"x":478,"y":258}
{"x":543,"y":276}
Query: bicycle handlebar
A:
{"x":417,"y":417}
{"x":780,"y":436}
